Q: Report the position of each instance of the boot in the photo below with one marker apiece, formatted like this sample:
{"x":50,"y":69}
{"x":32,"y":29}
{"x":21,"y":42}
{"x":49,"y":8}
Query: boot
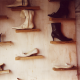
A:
{"x":31,"y":14}
{"x":19,"y":3}
{"x":56,"y":32}
{"x":63,"y":10}
{"x":28,"y":15}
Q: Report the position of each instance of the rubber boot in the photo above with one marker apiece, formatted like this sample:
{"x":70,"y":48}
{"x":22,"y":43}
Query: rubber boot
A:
{"x":63,"y":10}
{"x":56,"y":32}
{"x":19,"y":3}
{"x":28,"y":23}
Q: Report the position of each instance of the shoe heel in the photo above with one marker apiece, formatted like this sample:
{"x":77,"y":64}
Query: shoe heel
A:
{"x":53,"y":36}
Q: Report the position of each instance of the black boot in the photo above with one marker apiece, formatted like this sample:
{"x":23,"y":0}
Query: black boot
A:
{"x":63,"y":10}
{"x":56,"y":32}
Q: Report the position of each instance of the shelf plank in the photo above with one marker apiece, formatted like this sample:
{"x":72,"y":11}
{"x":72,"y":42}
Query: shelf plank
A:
{"x":60,"y":19}
{"x":27,"y":30}
{"x":24,"y":7}
{"x":3,"y":17}
{"x":55,"y":0}
{"x":62,"y":42}
{"x":4,"y":71}
{"x":6,"y":42}
{"x":31,"y":57}
{"x":63,"y":69}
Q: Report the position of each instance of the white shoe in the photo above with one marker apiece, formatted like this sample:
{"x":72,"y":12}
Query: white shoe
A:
{"x":63,"y":66}
{"x":31,"y":14}
{"x":34,"y":51}
{"x":19,"y":3}
{"x":28,"y":23}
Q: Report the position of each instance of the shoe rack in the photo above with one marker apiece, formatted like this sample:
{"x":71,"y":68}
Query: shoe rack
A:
{"x":63,"y":42}
{"x":43,"y":67}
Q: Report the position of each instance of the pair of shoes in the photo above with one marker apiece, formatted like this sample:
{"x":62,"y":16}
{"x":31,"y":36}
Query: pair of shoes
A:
{"x":19,"y":3}
{"x":28,"y":23}
{"x":56,"y":32}
{"x":63,"y":10}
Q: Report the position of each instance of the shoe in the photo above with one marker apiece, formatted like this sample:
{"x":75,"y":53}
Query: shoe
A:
{"x":56,"y":32}
{"x":63,"y":66}
{"x":28,"y":23}
{"x":33,"y":52}
{"x":19,"y":3}
{"x":63,"y":10}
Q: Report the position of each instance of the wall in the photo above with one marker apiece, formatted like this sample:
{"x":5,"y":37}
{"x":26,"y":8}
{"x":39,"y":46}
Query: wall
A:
{"x":37,"y":69}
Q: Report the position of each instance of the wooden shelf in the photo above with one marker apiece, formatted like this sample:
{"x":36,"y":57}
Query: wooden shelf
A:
{"x":24,"y":7}
{"x":27,"y":30}
{"x":3,"y":17}
{"x":62,"y":42}
{"x":55,"y":0}
{"x":60,"y":19}
{"x":4,"y":71}
{"x":63,"y":69}
{"x":31,"y":57}
{"x":6,"y":42}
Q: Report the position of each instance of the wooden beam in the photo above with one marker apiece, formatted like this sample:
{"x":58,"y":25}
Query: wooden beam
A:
{"x":62,"y":42}
{"x":4,"y":71}
{"x":3,"y":17}
{"x":31,"y":57}
{"x":27,"y":30}
{"x":24,"y":7}
{"x":63,"y":69}
{"x":60,"y":19}
{"x":6,"y":42}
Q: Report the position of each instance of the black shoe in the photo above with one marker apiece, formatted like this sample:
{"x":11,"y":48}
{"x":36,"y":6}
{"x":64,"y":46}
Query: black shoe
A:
{"x":63,"y":10}
{"x":56,"y":32}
